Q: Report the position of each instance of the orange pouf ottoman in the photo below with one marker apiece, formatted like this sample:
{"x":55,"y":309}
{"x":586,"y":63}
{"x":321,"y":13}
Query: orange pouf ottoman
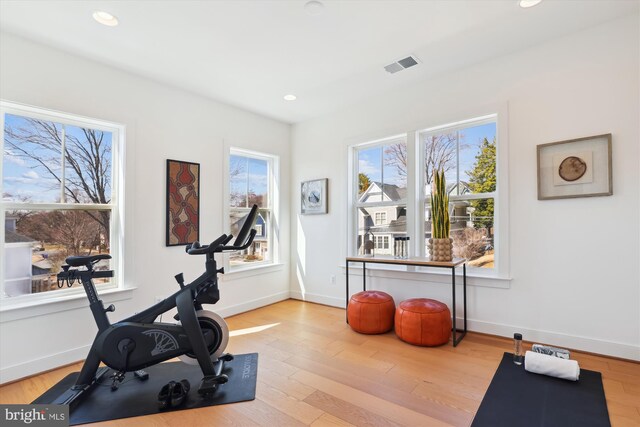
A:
{"x":422,"y":321}
{"x":371,"y":312}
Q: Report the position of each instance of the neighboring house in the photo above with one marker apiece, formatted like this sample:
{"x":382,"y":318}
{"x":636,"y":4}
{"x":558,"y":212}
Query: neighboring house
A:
{"x":41,"y":274}
{"x":259,"y":246}
{"x":386,"y":222}
{"x":18,"y":269}
{"x":383,"y":222}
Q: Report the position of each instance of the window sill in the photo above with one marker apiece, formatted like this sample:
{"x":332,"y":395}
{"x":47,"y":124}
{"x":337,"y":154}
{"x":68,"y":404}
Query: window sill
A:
{"x":25,"y":309}
{"x":432,"y":275}
{"x":254,"y":270}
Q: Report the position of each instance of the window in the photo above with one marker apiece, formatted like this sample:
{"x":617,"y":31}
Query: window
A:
{"x":252,"y":181}
{"x":385,"y":206}
{"x":380,"y":192}
{"x":467,"y":154}
{"x":59,"y":197}
{"x":382,"y":242}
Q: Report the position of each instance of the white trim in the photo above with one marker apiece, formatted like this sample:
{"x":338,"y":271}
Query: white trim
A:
{"x":66,"y":118}
{"x":58,"y":206}
{"x":318,"y":299}
{"x":58,"y":303}
{"x":475,"y":276}
{"x":253,"y":304}
{"x":2,"y":210}
{"x":560,"y":339}
{"x":458,"y":125}
{"x":251,"y":270}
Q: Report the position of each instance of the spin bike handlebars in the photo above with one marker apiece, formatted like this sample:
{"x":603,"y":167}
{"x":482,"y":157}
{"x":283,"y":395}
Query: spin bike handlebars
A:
{"x":243,"y":241}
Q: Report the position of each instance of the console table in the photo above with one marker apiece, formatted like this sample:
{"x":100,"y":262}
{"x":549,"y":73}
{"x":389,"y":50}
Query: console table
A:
{"x":420,"y":262}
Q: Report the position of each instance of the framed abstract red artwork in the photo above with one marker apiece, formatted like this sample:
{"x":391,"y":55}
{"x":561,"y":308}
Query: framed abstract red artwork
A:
{"x":183,"y":202}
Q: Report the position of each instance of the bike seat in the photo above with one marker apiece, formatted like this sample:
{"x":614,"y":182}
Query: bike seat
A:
{"x":79,"y":261}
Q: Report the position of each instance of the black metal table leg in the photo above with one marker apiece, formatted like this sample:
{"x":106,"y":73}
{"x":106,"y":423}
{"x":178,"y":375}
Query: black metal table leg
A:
{"x":464,"y":293}
{"x":364,"y":276}
{"x":453,"y":304}
{"x":346,"y":300}
{"x":457,"y":340}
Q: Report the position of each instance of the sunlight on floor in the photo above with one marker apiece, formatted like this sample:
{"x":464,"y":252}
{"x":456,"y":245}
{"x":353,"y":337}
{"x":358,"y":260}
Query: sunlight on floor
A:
{"x":253,"y":330}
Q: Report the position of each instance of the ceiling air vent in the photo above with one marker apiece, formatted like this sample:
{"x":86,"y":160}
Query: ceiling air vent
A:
{"x":401,"y":64}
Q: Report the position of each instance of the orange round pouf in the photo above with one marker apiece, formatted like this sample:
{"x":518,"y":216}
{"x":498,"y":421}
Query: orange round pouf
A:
{"x":422,"y":321}
{"x":371,"y":312}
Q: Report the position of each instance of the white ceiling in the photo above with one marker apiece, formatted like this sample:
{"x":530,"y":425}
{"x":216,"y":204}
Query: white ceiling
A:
{"x":251,"y":53}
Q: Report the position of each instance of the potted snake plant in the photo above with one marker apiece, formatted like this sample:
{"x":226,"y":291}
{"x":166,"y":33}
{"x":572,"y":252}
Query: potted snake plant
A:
{"x":440,"y":244}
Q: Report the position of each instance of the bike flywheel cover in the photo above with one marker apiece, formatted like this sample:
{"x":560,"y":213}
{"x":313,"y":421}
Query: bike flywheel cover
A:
{"x":224,"y":339}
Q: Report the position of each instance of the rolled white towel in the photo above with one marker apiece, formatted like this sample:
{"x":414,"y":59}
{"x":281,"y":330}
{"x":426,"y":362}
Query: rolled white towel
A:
{"x":553,"y":366}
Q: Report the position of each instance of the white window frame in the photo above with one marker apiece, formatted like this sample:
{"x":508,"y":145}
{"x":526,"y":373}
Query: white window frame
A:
{"x":353,"y":195}
{"x":424,"y":196}
{"x":499,"y":276}
{"x":272,"y":230}
{"x":116,"y":206}
{"x":380,"y":218}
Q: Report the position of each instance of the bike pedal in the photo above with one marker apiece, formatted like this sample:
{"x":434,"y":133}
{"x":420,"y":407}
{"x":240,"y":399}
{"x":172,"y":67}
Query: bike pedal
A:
{"x":141,"y":374}
{"x":226,"y":357}
{"x":209,"y":384}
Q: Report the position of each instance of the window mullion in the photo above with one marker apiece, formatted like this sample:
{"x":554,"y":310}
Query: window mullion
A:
{"x":458,"y":162}
{"x":63,"y":196}
{"x":246,"y":189}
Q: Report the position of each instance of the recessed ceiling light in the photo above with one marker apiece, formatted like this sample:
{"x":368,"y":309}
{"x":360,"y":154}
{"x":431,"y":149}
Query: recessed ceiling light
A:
{"x":290,"y":97}
{"x":314,"y":7}
{"x":529,"y":3}
{"x":105,"y":18}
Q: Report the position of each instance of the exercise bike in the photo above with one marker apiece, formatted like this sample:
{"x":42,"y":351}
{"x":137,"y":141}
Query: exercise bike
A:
{"x":139,"y":341}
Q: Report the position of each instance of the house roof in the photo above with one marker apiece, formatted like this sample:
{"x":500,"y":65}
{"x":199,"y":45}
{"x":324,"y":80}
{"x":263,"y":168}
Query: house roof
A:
{"x":43,"y":264}
{"x":13,"y":237}
{"x":392,"y":191}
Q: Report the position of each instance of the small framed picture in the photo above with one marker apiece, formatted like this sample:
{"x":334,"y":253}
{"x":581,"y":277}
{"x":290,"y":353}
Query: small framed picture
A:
{"x":314,"y":197}
{"x":575,"y":168}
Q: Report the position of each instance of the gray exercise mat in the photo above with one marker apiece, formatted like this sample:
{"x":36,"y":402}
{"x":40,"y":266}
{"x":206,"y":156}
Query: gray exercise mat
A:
{"x":135,"y":398}
{"x":519,"y":398}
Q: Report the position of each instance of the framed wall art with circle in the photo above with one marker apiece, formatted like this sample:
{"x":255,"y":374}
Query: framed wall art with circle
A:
{"x":575,"y":168}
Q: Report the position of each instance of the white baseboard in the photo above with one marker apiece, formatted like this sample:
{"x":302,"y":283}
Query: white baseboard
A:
{"x":592,"y":345}
{"x":52,"y":361}
{"x":559,"y":339}
{"x":46,"y":363}
{"x":320,"y":299}
{"x":253,"y":304}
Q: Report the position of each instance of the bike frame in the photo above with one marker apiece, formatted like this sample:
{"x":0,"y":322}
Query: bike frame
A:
{"x":185,"y":300}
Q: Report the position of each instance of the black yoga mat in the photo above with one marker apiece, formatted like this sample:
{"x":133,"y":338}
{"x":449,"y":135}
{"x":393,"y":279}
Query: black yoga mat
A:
{"x":134,"y":397}
{"x":519,"y":398}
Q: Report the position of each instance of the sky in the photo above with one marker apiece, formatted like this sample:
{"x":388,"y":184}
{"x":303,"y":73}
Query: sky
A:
{"x":252,"y":177}
{"x":371,"y":162}
{"x":25,"y":178}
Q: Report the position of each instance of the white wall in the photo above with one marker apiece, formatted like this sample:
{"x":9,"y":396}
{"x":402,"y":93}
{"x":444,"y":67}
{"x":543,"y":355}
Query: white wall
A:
{"x":161,"y":123}
{"x":574,"y":263}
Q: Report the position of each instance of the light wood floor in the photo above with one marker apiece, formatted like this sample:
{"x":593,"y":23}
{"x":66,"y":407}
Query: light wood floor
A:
{"x":313,"y":370}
